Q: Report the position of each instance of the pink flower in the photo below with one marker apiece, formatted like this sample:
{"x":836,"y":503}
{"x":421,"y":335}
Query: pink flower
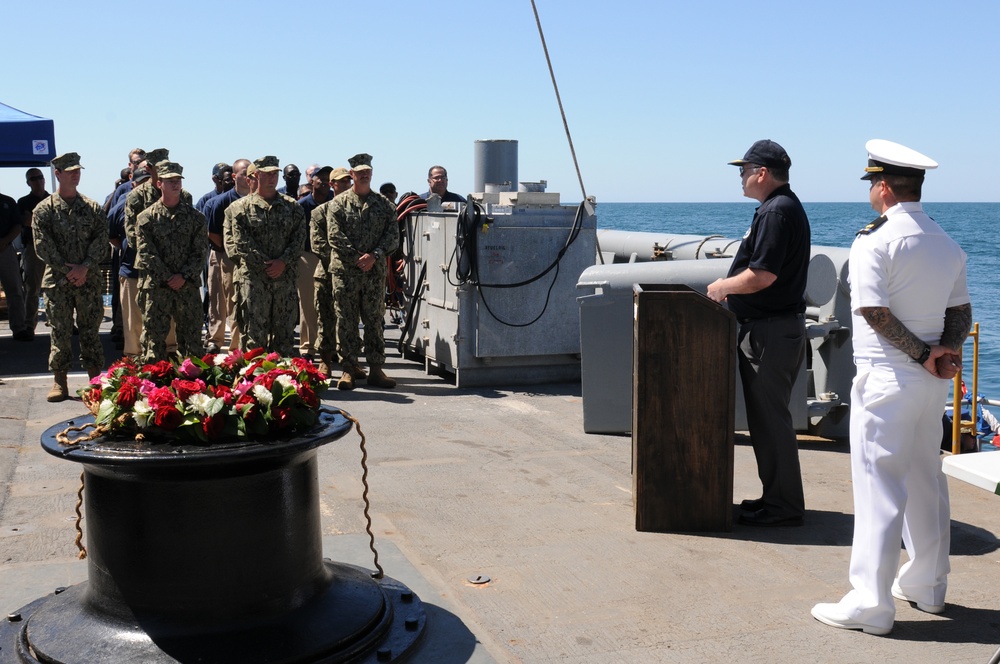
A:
{"x":189,"y":369}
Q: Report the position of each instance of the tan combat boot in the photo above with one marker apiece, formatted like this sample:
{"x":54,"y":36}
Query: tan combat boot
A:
{"x":326,"y":364}
{"x":93,"y":372}
{"x":59,"y":391}
{"x":377,"y":378}
{"x":346,"y":381}
{"x":357,"y":373}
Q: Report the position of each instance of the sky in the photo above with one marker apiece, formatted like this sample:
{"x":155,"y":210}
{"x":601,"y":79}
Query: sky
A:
{"x":658,"y":94}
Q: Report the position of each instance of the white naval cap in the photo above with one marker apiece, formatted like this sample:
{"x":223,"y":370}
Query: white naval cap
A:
{"x":889,"y":158}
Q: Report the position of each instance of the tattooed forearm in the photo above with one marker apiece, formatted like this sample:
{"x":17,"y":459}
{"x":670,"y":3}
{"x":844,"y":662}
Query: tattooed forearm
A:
{"x":957,"y":321}
{"x":886,"y":324}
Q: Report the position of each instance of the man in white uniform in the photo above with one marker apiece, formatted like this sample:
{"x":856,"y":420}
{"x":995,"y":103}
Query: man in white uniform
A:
{"x":911,"y":314}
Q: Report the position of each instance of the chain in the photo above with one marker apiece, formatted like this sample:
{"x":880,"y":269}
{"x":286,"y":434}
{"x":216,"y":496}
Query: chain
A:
{"x":79,"y":517}
{"x":364,"y":495}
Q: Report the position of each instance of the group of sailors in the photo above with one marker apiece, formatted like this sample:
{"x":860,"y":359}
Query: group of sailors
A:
{"x":274,"y":261}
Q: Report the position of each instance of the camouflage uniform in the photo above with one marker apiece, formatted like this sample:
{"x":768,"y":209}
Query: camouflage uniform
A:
{"x":75,"y":233}
{"x":356,"y":227}
{"x":326,"y":343}
{"x":257,"y":231}
{"x":139,"y":200}
{"x":171,"y":242}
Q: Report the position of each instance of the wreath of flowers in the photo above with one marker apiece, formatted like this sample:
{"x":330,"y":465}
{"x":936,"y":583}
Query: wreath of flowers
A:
{"x":215,"y":397}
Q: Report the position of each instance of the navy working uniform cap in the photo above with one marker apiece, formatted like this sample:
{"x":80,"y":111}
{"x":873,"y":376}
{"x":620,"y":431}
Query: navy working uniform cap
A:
{"x":888,"y":158}
{"x":220,"y":168}
{"x":153,"y":157}
{"x":267,"y":164}
{"x":765,"y":153}
{"x":360,"y":162}
{"x":67,"y":162}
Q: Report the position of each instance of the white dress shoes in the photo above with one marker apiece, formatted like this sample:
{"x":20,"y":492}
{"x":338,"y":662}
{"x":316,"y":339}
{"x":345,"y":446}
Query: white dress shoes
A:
{"x":898,"y":593}
{"x":834,"y":616}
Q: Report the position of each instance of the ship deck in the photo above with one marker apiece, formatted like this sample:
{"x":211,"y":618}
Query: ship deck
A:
{"x":502,"y":482}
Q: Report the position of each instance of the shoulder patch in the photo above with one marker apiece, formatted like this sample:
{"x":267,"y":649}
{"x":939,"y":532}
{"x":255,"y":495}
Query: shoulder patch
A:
{"x":873,"y":226}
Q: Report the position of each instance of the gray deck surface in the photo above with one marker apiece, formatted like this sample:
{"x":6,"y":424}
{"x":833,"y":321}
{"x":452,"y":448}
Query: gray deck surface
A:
{"x":503,"y":482}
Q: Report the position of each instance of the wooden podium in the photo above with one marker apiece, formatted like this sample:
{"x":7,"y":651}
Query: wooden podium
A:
{"x":683,"y":410}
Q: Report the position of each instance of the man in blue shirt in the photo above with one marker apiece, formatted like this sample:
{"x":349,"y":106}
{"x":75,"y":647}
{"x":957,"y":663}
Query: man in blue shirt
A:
{"x":222,"y":177}
{"x":437,"y":180}
{"x":221,"y":293}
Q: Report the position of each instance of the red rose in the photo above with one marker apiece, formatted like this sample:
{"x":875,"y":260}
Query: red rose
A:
{"x":161,"y":369}
{"x":248,"y":411}
{"x":253,"y":354}
{"x":127,"y":394}
{"x":225,"y":393}
{"x":124,"y":363}
{"x":281,"y":416}
{"x":213,"y":426}
{"x":308,"y":397}
{"x":93,"y":396}
{"x":167,"y":418}
{"x":186,"y":388}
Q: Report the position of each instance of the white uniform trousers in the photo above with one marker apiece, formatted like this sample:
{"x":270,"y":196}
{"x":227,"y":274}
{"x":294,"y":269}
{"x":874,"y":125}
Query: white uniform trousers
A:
{"x":899,"y":490}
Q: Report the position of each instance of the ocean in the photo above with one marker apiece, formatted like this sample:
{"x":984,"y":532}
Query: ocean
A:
{"x":973,"y":225}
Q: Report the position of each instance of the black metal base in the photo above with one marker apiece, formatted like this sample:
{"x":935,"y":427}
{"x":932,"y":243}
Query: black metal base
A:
{"x":355,"y":619}
{"x":211,"y":554}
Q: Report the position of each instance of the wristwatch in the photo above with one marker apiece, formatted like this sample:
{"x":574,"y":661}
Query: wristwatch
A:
{"x":924,"y":355}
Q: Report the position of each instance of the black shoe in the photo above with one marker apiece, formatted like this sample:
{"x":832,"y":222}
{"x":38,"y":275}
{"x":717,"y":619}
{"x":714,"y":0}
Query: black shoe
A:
{"x":24,"y":335}
{"x":752,"y":504}
{"x":212,"y":349}
{"x":764,"y":517}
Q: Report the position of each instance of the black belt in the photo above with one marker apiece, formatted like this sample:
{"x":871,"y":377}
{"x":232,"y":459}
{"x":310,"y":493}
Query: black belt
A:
{"x":744,"y":321}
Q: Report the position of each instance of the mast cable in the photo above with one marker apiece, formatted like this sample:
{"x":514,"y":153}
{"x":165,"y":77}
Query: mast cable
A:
{"x":555,"y":87}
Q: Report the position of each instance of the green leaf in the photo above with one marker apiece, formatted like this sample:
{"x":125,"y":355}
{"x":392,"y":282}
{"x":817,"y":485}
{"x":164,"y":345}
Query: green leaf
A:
{"x":106,"y":412}
{"x":215,"y":406}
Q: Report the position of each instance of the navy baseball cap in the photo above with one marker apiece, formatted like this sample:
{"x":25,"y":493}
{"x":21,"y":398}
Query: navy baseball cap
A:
{"x":765,"y":153}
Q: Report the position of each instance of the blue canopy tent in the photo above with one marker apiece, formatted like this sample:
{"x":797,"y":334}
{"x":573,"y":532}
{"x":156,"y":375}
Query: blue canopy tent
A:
{"x":25,"y":139}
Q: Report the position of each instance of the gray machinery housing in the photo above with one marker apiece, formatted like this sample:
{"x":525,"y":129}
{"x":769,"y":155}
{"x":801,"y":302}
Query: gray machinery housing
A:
{"x":495,"y":283}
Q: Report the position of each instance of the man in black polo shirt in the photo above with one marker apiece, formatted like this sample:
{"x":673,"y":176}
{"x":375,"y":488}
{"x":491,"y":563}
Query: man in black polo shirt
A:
{"x":765,"y":289}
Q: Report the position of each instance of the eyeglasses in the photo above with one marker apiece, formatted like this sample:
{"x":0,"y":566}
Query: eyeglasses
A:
{"x":749,"y":169}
